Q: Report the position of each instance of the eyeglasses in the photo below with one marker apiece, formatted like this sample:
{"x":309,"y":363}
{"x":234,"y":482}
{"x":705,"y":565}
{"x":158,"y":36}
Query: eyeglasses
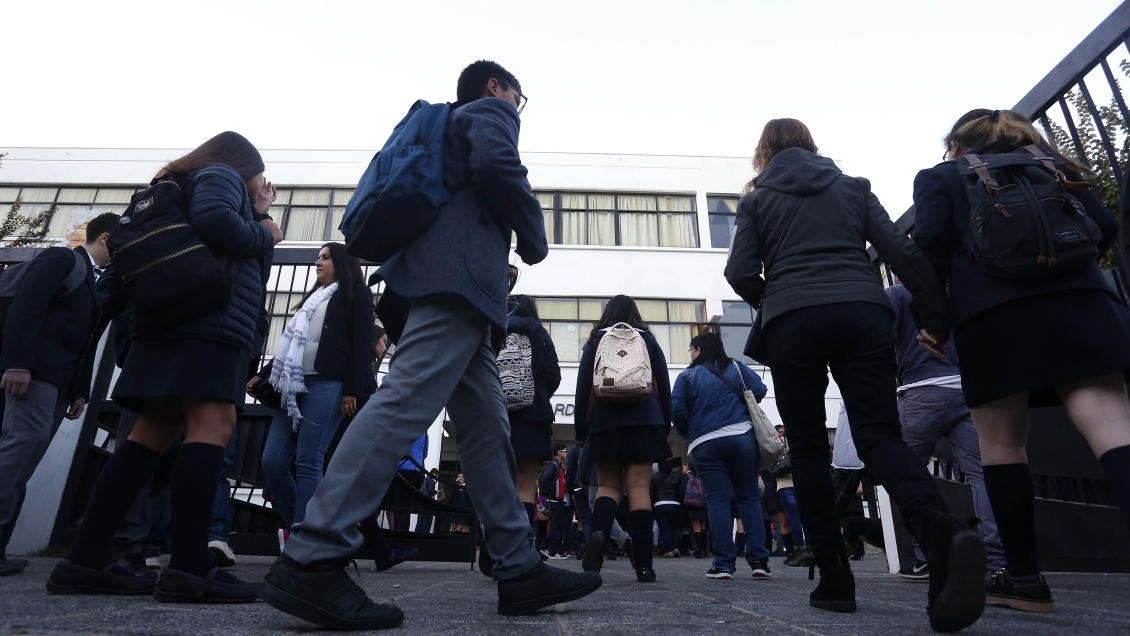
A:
{"x":522,"y":99}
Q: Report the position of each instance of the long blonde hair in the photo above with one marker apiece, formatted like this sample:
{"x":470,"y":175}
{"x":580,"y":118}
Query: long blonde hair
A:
{"x":779,"y":134}
{"x":982,"y":127}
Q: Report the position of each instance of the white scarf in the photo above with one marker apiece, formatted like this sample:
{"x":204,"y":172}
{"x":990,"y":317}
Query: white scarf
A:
{"x":286,"y":373}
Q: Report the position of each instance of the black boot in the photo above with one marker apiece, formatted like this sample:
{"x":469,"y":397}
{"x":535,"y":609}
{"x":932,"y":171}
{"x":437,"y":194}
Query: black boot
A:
{"x":836,"y":590}
{"x":956,"y":556}
{"x":594,"y":553}
{"x":544,"y":586}
{"x":324,"y":594}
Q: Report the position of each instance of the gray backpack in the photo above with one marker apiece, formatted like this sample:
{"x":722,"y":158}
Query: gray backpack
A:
{"x":516,"y":370}
{"x":12,"y":277}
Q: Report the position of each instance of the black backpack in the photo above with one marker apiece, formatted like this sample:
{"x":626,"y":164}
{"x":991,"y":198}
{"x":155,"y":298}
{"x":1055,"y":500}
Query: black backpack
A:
{"x":1024,"y":222}
{"x":165,"y":270}
{"x":13,"y":276}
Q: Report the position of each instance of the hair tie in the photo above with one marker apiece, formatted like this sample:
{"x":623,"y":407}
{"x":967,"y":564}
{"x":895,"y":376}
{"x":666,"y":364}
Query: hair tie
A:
{"x":994,"y":116}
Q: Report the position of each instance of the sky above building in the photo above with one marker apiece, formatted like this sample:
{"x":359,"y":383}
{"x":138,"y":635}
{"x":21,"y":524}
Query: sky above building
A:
{"x":879,"y":83}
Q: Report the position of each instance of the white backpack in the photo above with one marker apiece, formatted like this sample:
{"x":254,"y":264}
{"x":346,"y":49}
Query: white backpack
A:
{"x":622,"y":373}
{"x":516,"y":370}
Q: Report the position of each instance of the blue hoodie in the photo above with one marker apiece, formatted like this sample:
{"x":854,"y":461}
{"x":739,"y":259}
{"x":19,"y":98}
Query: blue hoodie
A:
{"x":701,"y":402}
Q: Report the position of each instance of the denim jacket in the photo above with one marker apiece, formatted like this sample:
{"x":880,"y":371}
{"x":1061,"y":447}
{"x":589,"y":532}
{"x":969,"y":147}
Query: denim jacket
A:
{"x":701,"y":403}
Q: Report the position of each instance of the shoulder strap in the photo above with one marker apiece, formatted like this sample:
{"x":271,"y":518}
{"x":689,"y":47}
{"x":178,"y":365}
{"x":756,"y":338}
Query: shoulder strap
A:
{"x":740,"y":377}
{"x":733,"y":388}
{"x":1049,"y":165}
{"x":76,"y":277}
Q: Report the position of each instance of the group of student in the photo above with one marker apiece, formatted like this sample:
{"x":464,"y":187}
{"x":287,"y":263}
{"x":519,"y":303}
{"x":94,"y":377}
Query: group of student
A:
{"x":798,"y":256}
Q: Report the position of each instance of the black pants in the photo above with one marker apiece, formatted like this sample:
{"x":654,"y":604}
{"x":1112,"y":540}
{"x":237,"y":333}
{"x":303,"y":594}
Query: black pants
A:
{"x":559,"y":534}
{"x":854,"y":340}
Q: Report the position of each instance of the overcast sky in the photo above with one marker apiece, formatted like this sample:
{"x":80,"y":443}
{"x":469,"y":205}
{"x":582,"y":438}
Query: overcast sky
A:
{"x":879,"y":83}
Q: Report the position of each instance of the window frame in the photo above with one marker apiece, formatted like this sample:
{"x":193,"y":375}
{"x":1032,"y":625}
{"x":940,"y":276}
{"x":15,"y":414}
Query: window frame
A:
{"x":559,"y":211}
{"x":55,"y":204}
{"x":710,"y":214}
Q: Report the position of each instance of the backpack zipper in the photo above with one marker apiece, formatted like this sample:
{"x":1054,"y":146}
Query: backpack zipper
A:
{"x":174,"y":226}
{"x":166,"y":258}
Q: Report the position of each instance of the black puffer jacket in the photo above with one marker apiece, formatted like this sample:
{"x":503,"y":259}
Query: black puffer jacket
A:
{"x":222,"y":216}
{"x":808,"y":225}
{"x":547,"y":370}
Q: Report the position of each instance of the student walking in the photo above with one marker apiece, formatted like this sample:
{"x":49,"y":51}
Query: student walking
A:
{"x":51,"y":318}
{"x":188,"y":378}
{"x":1055,"y":338}
{"x":666,"y":495}
{"x":552,"y":487}
{"x":319,"y":371}
{"x":931,"y":407}
{"x":713,"y":420}
{"x":445,"y":308}
{"x":821,"y":304}
{"x":626,"y":438}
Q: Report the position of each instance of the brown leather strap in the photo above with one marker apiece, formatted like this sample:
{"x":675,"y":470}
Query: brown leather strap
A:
{"x":982,"y":170}
{"x":1044,"y":159}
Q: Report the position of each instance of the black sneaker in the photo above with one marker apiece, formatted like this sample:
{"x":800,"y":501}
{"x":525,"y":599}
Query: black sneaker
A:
{"x":594,"y":553}
{"x":760,"y":569}
{"x":218,"y":587}
{"x":135,"y":563}
{"x":1025,"y":593}
{"x":486,"y":562}
{"x":10,"y":566}
{"x":918,"y":571}
{"x":71,"y":578}
{"x":396,"y":558}
{"x":544,"y":586}
{"x":647,"y":575}
{"x":715,"y":573}
{"x":322,"y":593}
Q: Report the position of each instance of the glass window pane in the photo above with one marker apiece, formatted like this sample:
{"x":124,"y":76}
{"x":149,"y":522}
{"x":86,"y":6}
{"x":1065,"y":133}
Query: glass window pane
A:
{"x":278,"y":323}
{"x":573,"y":228}
{"x":652,"y":310}
{"x":639,"y":229}
{"x":574,"y":202}
{"x":277,"y":212}
{"x":29,"y":210}
{"x":662,"y":335}
{"x":566,"y":339}
{"x":8,"y":195}
{"x":114,"y":196}
{"x":733,"y":339}
{"x":677,"y":230}
{"x":310,"y":197}
{"x":684,"y":311}
{"x":76,"y":195}
{"x":727,"y":205}
{"x":338,"y":213}
{"x":736,"y":312}
{"x":637,"y":203}
{"x":306,"y":224}
{"x":37,"y":195}
{"x":557,"y":308}
{"x":342,"y":197}
{"x":680,"y":343}
{"x":591,"y":309}
{"x":61,"y":220}
{"x":602,"y":202}
{"x":602,"y":228}
{"x":547,"y":217}
{"x":282,"y":197}
{"x":546,"y":200}
{"x":676,"y":204}
{"x":721,"y":230}
{"x":107,"y":207}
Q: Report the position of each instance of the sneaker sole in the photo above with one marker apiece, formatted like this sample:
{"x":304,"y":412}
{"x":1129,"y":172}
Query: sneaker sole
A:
{"x":55,"y":588}
{"x":1024,"y":605}
{"x":719,"y":577}
{"x":844,"y":607}
{"x":220,"y":558}
{"x":914,"y":577}
{"x":12,"y":569}
{"x":290,"y":604}
{"x":594,"y":554}
{"x":762,"y":575}
{"x":962,"y":600}
{"x":191,"y":597}
{"x":523,"y":608}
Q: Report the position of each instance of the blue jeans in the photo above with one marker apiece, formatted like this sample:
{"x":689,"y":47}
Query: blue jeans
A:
{"x":220,"y":524}
{"x":722,"y":463}
{"x":304,"y":448}
{"x":787,"y":498}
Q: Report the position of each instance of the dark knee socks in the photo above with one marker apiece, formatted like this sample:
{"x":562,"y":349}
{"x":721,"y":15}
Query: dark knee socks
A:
{"x":1116,"y":463}
{"x":642,"y":537}
{"x":1011,"y":494}
{"x":192,"y":492}
{"x":118,"y":485}
{"x":603,"y":514}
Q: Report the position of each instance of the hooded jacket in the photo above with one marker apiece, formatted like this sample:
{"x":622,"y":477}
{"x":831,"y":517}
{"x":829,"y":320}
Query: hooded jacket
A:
{"x":806,"y":225}
{"x":547,"y":371}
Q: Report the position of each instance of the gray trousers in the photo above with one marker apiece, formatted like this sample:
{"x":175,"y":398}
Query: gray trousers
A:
{"x":29,"y":424}
{"x":930,"y":413}
{"x":444,"y":358}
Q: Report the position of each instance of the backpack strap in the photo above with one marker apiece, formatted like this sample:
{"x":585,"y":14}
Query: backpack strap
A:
{"x":982,"y":170}
{"x":76,"y":276}
{"x":1049,"y":164}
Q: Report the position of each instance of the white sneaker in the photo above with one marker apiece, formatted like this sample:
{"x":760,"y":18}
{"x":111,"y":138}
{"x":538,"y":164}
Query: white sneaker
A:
{"x":153,"y":563}
{"x":221,"y":554}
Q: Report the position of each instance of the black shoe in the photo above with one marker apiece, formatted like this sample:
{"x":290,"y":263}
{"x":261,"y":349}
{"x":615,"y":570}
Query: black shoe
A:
{"x":9,"y":566}
{"x":218,"y":587}
{"x":790,"y":559}
{"x":486,"y":563}
{"x":917,"y":571}
{"x":581,"y":551}
{"x":397,"y":557}
{"x":1025,"y":593}
{"x":544,"y":586}
{"x":804,"y":558}
{"x":135,"y":563}
{"x":956,"y":556}
{"x":715,"y":573}
{"x":836,"y":590}
{"x":646,"y":575}
{"x":70,"y":578}
{"x":858,"y":552}
{"x":760,"y":569}
{"x":322,"y":593}
{"x":594,"y":553}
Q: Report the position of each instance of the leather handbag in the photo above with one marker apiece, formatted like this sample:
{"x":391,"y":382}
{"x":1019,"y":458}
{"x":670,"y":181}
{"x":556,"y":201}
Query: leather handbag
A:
{"x":262,"y":390}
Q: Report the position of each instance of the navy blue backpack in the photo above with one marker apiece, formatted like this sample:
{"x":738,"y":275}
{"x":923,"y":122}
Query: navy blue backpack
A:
{"x":399,"y":195}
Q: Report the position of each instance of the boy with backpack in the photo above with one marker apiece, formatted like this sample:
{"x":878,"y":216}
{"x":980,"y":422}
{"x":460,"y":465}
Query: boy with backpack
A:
{"x":445,"y":308}
{"x":50,"y":313}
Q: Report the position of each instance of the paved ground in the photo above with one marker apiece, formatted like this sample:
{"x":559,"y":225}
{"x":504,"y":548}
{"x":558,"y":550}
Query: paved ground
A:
{"x":444,"y":598}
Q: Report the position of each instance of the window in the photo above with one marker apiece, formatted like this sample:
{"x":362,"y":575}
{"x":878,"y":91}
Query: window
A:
{"x":734,"y":328}
{"x":63,"y":202}
{"x":569,"y":322}
{"x":574,"y":218}
{"x":723,"y":211}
